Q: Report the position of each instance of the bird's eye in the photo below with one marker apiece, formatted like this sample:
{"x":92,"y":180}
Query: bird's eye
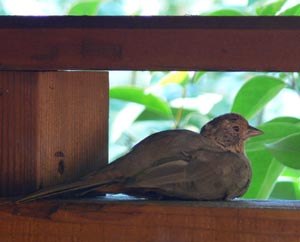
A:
{"x":236,"y":128}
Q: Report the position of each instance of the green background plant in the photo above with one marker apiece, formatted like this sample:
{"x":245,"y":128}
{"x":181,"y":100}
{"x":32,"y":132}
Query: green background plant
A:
{"x":145,"y":102}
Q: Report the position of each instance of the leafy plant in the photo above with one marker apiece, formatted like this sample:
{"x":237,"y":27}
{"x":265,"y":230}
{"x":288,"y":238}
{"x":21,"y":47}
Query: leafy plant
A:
{"x":85,"y":7}
{"x":272,"y":154}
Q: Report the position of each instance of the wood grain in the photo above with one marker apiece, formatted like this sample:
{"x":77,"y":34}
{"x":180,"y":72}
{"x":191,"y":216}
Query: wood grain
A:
{"x":53,"y":127}
{"x":18,"y":132}
{"x":147,"y":221}
{"x":150,"y":43}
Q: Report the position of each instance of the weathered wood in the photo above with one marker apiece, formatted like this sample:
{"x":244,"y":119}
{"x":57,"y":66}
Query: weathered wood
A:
{"x":148,"y":221}
{"x":53,"y":128}
{"x":150,"y":43}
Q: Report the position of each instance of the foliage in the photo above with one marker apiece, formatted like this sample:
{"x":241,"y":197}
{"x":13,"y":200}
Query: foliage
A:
{"x":272,"y":154}
{"x":87,"y":7}
{"x":265,"y":89}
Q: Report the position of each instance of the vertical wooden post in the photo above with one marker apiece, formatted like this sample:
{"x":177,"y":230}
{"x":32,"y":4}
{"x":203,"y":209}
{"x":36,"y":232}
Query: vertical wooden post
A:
{"x":53,"y":128}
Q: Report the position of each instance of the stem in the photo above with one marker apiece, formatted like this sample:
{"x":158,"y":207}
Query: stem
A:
{"x":183,"y":95}
{"x":180,"y":110}
{"x":133,"y":78}
{"x":295,"y":83}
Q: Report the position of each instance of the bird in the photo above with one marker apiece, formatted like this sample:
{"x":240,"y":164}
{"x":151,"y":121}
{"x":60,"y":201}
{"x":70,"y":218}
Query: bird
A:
{"x":175,"y":164}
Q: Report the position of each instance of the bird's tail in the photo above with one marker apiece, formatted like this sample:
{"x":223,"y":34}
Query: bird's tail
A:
{"x":104,"y":180}
{"x":55,"y":191}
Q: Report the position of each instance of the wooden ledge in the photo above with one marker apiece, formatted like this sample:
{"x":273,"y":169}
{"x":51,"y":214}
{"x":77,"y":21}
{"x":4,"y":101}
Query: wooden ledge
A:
{"x":150,"y":43}
{"x":141,"y":220}
{"x":150,"y":22}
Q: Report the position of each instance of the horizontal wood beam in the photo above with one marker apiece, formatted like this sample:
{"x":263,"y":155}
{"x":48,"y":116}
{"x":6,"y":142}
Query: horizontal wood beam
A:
{"x":63,"y":220}
{"x":150,"y":43}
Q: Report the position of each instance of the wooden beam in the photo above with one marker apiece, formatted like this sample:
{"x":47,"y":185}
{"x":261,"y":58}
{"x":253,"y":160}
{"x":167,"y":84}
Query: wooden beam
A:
{"x":53,"y":128}
{"x":235,"y":221}
{"x":150,"y":43}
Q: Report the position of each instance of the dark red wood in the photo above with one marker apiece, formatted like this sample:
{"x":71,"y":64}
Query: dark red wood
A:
{"x":150,"y":43}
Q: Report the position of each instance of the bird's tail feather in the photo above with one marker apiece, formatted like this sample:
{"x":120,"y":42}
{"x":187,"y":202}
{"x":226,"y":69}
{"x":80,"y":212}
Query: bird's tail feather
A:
{"x":58,"y":190}
{"x":103,"y":178}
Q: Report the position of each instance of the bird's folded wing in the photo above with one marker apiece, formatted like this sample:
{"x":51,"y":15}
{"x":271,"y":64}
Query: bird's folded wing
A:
{"x":193,"y":179}
{"x":176,"y":171}
{"x":161,"y":174}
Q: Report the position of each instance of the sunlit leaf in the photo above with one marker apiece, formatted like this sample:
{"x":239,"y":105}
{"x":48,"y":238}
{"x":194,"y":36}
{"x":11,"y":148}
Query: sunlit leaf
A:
{"x":85,"y":7}
{"x":179,"y":77}
{"x":189,"y":117}
{"x":287,"y":150}
{"x":290,"y":172}
{"x":226,"y":12}
{"x":197,"y":76}
{"x":140,"y":96}
{"x":203,"y":103}
{"x":292,"y":11}
{"x":270,"y":9}
{"x":255,"y":94}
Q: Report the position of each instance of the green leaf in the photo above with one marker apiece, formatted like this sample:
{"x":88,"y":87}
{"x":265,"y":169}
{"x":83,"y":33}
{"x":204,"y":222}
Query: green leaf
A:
{"x":292,"y":11}
{"x":255,"y":94}
{"x":151,"y":115}
{"x":285,"y":119}
{"x":179,"y":77}
{"x":292,"y":175}
{"x":84,"y":7}
{"x":286,"y":189}
{"x":225,"y":12}
{"x":140,"y":96}
{"x":273,"y":131}
{"x":262,"y":161}
{"x":274,"y":170}
{"x":287,"y":150}
{"x":148,"y":115}
{"x":197,"y":76}
{"x":270,"y":9}
{"x":189,"y":118}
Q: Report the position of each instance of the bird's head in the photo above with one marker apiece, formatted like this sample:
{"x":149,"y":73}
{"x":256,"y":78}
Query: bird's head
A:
{"x":229,"y":131}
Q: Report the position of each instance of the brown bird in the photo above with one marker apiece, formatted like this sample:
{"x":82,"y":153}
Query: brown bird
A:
{"x":176,"y":164}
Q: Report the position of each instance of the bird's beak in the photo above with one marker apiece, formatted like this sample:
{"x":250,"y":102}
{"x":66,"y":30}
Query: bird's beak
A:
{"x":253,"y":132}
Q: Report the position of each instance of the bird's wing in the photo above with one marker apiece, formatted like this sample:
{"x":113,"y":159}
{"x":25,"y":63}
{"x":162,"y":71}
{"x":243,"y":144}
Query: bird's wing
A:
{"x":200,"y":163}
{"x":164,"y":173}
{"x":206,"y":176}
